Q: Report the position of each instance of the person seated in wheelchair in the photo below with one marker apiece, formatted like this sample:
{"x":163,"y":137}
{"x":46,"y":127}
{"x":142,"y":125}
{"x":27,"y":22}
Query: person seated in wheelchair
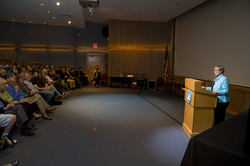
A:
{"x":97,"y":78}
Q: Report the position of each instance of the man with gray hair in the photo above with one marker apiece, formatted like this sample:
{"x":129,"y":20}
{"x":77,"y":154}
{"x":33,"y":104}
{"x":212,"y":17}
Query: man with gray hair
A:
{"x":17,"y":94}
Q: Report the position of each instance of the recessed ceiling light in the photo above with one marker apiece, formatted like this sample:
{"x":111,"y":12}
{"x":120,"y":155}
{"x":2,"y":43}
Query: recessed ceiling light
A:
{"x":48,"y":11}
{"x":100,"y":13}
{"x":177,"y":4}
{"x":53,"y":17}
{"x":41,"y":4}
{"x":58,"y":3}
{"x":69,"y":22}
{"x":160,"y":15}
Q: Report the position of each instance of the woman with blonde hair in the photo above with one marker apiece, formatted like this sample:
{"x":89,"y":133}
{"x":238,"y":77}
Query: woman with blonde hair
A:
{"x":23,"y":70}
{"x":2,"y":73}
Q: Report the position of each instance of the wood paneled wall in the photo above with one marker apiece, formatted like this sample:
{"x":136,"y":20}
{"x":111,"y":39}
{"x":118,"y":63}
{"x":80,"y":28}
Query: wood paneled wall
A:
{"x":138,"y":47}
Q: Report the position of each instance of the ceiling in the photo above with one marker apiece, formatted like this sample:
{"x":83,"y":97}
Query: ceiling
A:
{"x":31,"y":11}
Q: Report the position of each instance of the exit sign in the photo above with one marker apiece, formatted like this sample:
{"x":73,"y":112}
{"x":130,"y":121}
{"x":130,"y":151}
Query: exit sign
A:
{"x":94,"y":45}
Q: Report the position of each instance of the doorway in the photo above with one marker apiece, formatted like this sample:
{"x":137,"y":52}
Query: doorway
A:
{"x":93,"y":60}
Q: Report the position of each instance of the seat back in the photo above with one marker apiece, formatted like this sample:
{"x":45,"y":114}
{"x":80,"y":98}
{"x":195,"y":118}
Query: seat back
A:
{"x":104,"y":77}
{"x":160,"y":80}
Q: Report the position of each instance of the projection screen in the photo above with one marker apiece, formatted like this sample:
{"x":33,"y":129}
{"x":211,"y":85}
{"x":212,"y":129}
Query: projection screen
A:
{"x":216,"y":32}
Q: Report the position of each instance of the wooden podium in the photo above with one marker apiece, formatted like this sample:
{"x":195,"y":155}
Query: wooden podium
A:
{"x":199,"y":108}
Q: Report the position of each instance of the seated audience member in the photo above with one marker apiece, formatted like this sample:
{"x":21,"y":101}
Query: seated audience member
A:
{"x":24,"y":87}
{"x":38,"y":85}
{"x":15,"y":68}
{"x":97,"y":78}
{"x":52,"y":70}
{"x":80,"y":75}
{"x":47,"y":67}
{"x":9,"y":72}
{"x":22,"y":70}
{"x":5,"y":98}
{"x":24,"y":65}
{"x":47,"y":84}
{"x":21,"y":116}
{"x":56,"y":86}
{"x":67,"y":78}
{"x":31,"y":65}
{"x":17,"y":94}
{"x":2,"y":73}
{"x":72,"y":75}
{"x":34,"y":68}
{"x":52,"y":76}
{"x":28,"y":91}
{"x":53,"y":101}
{"x":40,"y":68}
{"x":85,"y":75}
{"x":53,"y":79}
{"x":24,"y":81}
{"x":18,"y":66}
{"x":7,"y":121}
{"x":9,"y":64}
{"x":29,"y":70}
{"x":96,"y":67}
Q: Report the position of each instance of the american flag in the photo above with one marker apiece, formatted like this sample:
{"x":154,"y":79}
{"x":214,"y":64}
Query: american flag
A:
{"x":165,"y":67}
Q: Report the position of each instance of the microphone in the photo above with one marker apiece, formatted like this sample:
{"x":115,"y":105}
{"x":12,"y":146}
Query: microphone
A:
{"x":207,"y":83}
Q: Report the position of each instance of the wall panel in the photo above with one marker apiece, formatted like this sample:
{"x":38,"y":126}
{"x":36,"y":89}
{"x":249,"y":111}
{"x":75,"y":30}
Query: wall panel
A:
{"x":92,"y":34}
{"x":31,"y":35}
{"x":60,"y":36}
{"x":7,"y":33}
{"x":8,"y":53}
{"x":139,"y":33}
{"x":32,"y":56}
{"x":138,"y":47}
{"x":51,"y":44}
{"x":61,"y":57}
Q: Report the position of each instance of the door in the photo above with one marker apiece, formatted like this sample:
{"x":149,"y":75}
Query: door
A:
{"x":93,"y":60}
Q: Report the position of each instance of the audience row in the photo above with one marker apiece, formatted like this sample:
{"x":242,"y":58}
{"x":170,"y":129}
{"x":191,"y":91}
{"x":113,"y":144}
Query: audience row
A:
{"x":29,"y":92}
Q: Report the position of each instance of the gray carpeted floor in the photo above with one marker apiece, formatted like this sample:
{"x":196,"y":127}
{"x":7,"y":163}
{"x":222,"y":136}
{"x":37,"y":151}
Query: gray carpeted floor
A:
{"x":130,"y":131}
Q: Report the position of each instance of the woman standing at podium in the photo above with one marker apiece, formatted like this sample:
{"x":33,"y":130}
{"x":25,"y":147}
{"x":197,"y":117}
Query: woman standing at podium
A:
{"x":220,"y":87}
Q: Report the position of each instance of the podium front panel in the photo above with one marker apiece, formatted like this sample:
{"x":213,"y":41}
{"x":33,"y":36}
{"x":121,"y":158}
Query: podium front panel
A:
{"x":203,"y":119}
{"x":188,"y":116}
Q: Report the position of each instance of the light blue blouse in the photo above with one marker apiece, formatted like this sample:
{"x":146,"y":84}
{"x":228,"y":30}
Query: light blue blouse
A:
{"x":221,"y":85}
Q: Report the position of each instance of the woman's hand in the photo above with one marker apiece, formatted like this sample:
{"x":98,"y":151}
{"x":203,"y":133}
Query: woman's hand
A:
{"x":203,"y":87}
{"x":8,"y":106}
{"x":215,"y":93}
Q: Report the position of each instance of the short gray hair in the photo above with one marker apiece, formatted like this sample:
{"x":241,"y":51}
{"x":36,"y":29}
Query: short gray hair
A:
{"x":20,"y":76}
{"x":2,"y":71}
{"x":3,"y":81}
{"x":221,"y":68}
